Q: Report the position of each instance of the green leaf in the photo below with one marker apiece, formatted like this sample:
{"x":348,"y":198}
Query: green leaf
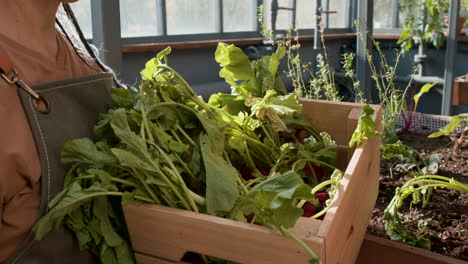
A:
{"x":135,"y":143}
{"x":459,"y":117}
{"x":365,"y":129}
{"x":71,"y":199}
{"x":129,"y":159}
{"x":445,"y":131}
{"x":432,"y":164}
{"x":236,"y":69}
{"x":274,"y":200}
{"x":85,"y":151}
{"x":273,"y":108}
{"x":399,"y":150}
{"x":101,"y":210}
{"x":76,"y":221}
{"x":221,"y":186}
{"x":266,"y":72}
{"x":122,"y":97}
{"x":232,"y":104}
{"x":128,"y":198}
{"x":161,"y":56}
{"x":150,"y":69}
{"x":426,"y":87}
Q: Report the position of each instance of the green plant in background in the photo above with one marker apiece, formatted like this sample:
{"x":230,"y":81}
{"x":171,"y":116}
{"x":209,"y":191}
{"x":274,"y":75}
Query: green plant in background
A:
{"x":423,"y":23}
{"x":403,"y":152}
{"x":306,"y":82}
{"x":460,"y":138}
{"x":408,"y":112}
{"x":414,"y":187}
{"x":392,"y":99}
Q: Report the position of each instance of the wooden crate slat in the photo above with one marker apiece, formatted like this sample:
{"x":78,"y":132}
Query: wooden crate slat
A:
{"x":330,"y":117}
{"x":169,"y":233}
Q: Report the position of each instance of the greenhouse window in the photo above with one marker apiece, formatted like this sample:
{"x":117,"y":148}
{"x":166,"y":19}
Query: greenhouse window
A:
{"x":163,"y":21}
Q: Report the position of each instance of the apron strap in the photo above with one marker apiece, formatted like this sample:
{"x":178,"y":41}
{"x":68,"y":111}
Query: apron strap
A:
{"x":6,"y":70}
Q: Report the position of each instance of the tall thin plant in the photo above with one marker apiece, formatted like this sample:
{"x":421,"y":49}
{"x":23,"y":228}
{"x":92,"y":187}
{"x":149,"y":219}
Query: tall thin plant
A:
{"x":391,"y":98}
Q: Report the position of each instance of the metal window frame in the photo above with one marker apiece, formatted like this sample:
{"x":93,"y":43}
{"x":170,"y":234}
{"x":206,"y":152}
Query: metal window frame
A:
{"x":164,"y":37}
{"x":107,"y":32}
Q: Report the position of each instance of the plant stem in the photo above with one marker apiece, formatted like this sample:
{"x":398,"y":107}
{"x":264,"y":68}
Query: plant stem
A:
{"x":189,"y":139}
{"x":290,"y":234}
{"x":148,"y":189}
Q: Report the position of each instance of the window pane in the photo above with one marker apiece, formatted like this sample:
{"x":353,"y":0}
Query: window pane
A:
{"x":191,"y":17}
{"x":283,"y":18}
{"x":340,"y":19}
{"x":305,"y":12}
{"x":139,"y":18}
{"x":239,"y":15}
{"x":82,"y":10}
{"x":383,"y":13}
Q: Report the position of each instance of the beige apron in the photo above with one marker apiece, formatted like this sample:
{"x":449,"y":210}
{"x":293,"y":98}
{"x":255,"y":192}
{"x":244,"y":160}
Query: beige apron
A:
{"x":74,"y":106}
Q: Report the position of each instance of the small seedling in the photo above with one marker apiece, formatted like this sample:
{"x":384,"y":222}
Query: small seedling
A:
{"x":460,"y":138}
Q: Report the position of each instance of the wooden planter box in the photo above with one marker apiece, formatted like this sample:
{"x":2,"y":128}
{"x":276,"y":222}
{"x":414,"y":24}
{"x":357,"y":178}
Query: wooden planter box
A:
{"x":384,"y":251}
{"x":460,"y":91}
{"x":163,"y":235}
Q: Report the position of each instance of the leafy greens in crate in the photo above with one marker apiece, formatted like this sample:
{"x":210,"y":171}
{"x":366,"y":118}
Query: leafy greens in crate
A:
{"x":249,"y":153}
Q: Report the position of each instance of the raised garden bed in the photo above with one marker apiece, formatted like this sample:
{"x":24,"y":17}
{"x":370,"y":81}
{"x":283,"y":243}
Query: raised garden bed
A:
{"x":444,"y":221}
{"x":164,"y":235}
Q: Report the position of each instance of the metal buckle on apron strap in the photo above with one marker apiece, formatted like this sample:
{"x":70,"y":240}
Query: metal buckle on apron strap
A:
{"x":40,"y":102}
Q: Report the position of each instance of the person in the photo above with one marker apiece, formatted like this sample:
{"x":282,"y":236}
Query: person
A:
{"x":68,"y":90}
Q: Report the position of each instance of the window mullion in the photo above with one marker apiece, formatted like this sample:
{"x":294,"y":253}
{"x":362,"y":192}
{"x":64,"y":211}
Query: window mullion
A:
{"x":220,"y":16}
{"x":163,"y":14}
{"x":294,"y":5}
{"x":395,"y":16}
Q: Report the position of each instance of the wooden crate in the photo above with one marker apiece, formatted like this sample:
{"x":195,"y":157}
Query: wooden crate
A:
{"x":460,"y":91}
{"x":163,"y":235}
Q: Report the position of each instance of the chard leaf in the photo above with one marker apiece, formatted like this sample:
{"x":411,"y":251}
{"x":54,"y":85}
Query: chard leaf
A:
{"x":83,"y":150}
{"x":365,"y":129}
{"x":221,"y":185}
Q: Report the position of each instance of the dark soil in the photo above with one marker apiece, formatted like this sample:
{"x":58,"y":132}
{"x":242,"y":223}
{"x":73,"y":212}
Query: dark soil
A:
{"x":446,"y":216}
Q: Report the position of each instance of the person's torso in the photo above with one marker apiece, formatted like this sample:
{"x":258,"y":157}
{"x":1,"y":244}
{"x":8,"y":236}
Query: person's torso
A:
{"x":20,"y":168}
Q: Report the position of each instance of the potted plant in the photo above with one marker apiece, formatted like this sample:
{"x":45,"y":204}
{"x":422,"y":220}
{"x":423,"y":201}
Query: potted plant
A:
{"x":423,"y":23}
